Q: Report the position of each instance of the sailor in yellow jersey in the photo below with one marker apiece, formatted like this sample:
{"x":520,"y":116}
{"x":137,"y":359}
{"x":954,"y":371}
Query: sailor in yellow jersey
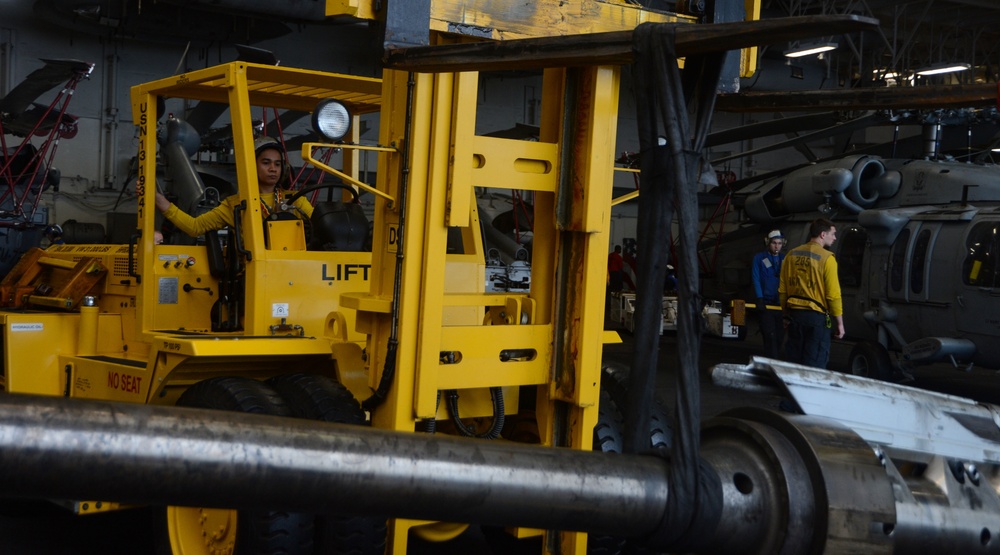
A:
{"x":270,"y":169}
{"x":809,"y":292}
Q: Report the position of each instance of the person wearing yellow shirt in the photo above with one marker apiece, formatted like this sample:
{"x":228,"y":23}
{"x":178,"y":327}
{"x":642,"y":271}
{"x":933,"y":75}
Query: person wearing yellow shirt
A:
{"x":809,"y":292}
{"x":270,"y":166}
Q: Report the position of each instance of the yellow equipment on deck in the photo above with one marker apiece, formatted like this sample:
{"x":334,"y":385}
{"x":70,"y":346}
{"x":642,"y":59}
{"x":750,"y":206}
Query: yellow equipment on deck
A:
{"x":406,"y":327}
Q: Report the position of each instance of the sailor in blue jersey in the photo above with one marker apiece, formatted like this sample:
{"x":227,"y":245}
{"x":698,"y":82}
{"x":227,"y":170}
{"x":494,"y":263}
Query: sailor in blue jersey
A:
{"x":766,"y":275}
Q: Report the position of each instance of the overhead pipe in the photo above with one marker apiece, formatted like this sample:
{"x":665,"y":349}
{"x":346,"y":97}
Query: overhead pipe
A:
{"x":299,"y":10}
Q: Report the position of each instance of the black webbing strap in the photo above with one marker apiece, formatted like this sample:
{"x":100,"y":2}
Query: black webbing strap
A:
{"x":667,"y":103}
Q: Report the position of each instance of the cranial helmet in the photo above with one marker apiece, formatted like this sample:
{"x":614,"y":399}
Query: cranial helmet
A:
{"x":774,"y":234}
{"x":264,"y":143}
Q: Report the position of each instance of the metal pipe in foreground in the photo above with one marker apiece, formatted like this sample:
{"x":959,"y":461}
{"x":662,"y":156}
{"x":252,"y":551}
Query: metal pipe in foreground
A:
{"x":164,"y":455}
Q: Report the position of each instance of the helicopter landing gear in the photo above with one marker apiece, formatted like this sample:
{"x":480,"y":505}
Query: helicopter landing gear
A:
{"x":870,"y":360}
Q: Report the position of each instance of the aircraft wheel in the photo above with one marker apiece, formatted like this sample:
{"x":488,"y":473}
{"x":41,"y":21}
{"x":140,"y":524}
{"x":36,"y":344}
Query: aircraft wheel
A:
{"x":316,"y":397}
{"x":871,"y":360}
{"x":201,"y":531}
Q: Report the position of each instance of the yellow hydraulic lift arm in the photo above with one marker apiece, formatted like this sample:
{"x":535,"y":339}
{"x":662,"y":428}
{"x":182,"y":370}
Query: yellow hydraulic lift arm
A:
{"x":419,"y":289}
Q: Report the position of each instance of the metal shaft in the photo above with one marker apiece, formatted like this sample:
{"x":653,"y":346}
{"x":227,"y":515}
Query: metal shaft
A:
{"x":163,"y":455}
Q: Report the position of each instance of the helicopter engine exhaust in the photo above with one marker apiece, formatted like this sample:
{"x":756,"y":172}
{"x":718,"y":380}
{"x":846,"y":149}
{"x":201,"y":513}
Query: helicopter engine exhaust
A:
{"x":850,"y":184}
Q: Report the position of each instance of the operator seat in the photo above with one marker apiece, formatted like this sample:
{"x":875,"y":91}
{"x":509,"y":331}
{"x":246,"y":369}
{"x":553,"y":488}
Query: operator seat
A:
{"x":339,"y":226}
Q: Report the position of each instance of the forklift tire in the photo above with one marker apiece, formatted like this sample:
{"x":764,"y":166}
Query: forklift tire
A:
{"x":607,"y":439}
{"x":240,"y":532}
{"x":614,"y":379}
{"x":870,"y":360}
{"x":608,"y":430}
{"x":317,"y":397}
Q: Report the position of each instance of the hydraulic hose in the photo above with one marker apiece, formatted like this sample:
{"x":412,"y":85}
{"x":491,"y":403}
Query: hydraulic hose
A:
{"x":496,"y":396}
{"x":389,"y":367}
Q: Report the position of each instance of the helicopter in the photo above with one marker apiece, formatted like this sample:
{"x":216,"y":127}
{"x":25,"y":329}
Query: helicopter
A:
{"x":917,"y":249}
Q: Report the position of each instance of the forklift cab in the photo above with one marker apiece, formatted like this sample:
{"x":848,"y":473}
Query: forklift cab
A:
{"x":263,"y":274}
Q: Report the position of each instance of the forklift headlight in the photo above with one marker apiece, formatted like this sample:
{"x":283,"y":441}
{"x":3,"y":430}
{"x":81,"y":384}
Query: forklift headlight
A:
{"x":331,"y":119}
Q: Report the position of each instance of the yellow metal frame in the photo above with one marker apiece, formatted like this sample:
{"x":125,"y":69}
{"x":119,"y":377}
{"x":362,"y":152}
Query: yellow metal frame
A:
{"x":570,"y":171}
{"x":560,"y":320}
{"x":307,"y":157}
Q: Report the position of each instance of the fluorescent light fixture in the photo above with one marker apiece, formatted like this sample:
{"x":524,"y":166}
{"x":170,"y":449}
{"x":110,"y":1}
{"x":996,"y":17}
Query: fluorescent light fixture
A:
{"x":808,"y":49}
{"x":938,"y":69}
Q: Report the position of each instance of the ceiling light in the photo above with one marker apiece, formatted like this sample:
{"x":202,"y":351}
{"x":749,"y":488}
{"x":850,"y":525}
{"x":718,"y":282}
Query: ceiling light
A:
{"x":808,"y":49}
{"x":938,"y":69}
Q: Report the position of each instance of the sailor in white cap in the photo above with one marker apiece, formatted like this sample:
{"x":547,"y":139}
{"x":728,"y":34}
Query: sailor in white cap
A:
{"x":766,"y":275}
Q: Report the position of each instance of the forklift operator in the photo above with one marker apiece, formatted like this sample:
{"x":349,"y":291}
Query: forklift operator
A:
{"x":271,"y":169}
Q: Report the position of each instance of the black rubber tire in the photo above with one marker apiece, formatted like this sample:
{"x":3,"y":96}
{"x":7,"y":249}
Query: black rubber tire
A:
{"x":258,"y":532}
{"x":607,"y":439}
{"x":608,"y":431}
{"x":316,"y":397}
{"x":614,"y":379}
{"x":870,"y":360}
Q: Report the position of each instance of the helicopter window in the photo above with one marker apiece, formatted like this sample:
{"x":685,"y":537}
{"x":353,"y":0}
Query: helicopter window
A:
{"x":919,"y":261}
{"x":896,"y":261}
{"x":851,"y":256}
{"x":980,"y":266}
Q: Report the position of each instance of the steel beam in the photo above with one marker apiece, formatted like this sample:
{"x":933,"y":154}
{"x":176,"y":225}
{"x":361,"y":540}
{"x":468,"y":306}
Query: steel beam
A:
{"x":885,"y":98}
{"x":615,"y":48}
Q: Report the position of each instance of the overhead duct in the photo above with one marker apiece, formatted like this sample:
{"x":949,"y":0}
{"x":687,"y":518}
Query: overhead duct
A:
{"x":170,"y":22}
{"x":790,"y":75}
{"x":301,"y":10}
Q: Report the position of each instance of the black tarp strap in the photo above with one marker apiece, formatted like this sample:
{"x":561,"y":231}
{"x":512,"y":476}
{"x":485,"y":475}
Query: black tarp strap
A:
{"x":674,"y":113}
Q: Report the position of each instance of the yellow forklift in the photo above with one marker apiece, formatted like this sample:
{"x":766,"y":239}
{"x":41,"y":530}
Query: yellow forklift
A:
{"x":400,"y":336}
{"x":225,"y":322}
{"x":255,"y":321}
